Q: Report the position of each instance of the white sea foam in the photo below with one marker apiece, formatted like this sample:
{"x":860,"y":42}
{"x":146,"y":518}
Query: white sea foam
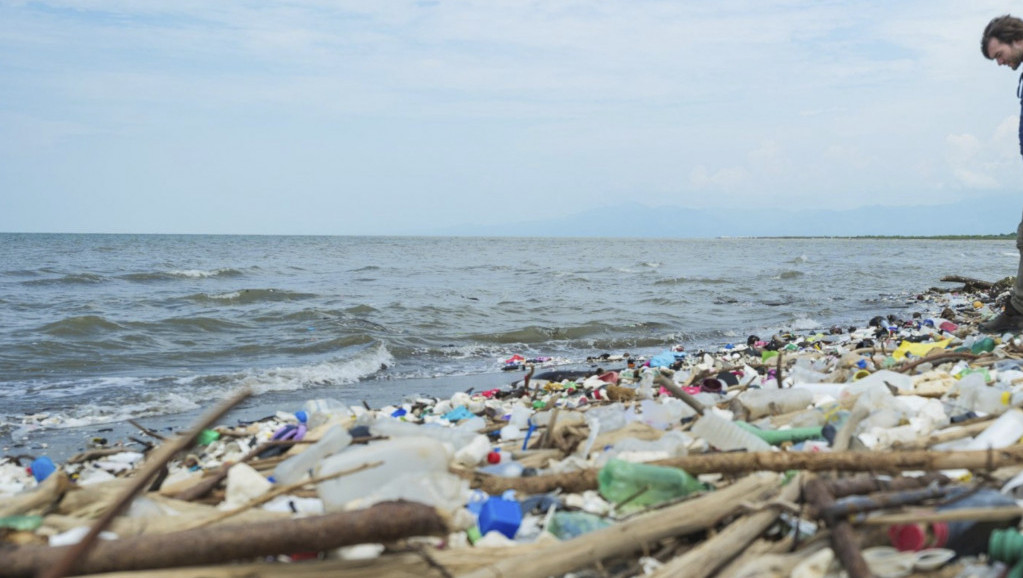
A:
{"x":329,"y":372}
{"x":804,"y":323}
{"x":158,"y":403}
{"x":197,"y":273}
{"x":227,"y":296}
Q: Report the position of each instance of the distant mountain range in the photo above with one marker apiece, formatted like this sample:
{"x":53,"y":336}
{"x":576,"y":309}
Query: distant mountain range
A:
{"x":987,"y":216}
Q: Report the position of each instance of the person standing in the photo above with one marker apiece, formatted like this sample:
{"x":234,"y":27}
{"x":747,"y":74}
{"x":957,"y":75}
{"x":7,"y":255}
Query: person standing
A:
{"x":1003,"y":42}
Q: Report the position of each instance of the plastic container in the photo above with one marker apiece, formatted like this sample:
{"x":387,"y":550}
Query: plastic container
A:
{"x":42,"y":467}
{"x":726,"y":436}
{"x":975,"y":395}
{"x":295,"y":468}
{"x":967,"y":537}
{"x":501,"y":515}
{"x":568,"y":525}
{"x":402,"y":461}
{"x":761,"y":402}
{"x":320,"y":411}
{"x":639,"y":485}
{"x":1003,"y":432}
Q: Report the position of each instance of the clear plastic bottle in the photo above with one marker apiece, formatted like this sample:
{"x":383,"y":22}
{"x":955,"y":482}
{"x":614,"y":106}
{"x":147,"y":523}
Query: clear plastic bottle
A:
{"x":640,"y":485}
{"x":404,"y":462}
{"x":759,"y":402}
{"x":726,"y":436}
{"x":320,"y":411}
{"x":568,"y":525}
{"x":293,"y":469}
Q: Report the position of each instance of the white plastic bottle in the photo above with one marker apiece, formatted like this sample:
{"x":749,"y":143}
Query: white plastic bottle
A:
{"x":405,"y":462}
{"x":759,"y":402}
{"x":726,"y":436}
{"x":1003,"y":432}
{"x":293,"y":469}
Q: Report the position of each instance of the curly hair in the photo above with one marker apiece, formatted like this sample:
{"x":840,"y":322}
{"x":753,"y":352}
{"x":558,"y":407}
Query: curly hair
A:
{"x":1006,"y":29}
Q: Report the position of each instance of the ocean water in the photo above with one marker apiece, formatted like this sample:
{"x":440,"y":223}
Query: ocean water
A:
{"x":98,"y":329}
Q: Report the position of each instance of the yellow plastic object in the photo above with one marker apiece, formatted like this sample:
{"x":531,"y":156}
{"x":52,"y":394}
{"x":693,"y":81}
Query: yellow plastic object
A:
{"x":918,"y":349}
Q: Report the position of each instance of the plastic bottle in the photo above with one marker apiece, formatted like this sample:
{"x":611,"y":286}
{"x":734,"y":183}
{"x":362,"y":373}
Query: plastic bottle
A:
{"x":297,"y":466}
{"x":640,"y":485}
{"x":759,"y":402}
{"x":1003,"y":432}
{"x":726,"y":436}
{"x":568,"y":525}
{"x":402,"y":460}
{"x":779,"y":436}
{"x":320,"y":411}
{"x":967,"y":537}
{"x":975,"y":395}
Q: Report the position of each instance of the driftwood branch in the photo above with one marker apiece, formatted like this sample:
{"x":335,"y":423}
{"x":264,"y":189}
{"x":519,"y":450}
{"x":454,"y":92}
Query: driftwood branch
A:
{"x":844,"y":541}
{"x":711,"y":554}
{"x":383,"y":522}
{"x":739,"y":463}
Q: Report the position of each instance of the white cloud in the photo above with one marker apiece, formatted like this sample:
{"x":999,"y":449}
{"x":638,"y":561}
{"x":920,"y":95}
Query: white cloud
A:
{"x":475,"y":102}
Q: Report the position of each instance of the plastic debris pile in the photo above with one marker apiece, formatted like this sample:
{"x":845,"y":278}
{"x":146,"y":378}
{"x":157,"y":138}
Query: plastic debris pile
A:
{"x":886,"y":450}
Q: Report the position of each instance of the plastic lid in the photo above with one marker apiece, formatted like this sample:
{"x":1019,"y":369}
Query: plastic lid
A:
{"x":913,"y":537}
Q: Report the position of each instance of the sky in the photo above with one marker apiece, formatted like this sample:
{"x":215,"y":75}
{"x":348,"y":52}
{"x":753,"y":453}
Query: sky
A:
{"x":396,"y":117}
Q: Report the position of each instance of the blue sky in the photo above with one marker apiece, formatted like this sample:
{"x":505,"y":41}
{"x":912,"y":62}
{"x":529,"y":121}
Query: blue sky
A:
{"x":392,"y":117}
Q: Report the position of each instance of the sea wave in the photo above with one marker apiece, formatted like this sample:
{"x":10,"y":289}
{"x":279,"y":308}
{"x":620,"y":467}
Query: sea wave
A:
{"x":72,"y":279}
{"x":246,"y":296}
{"x":335,"y":372}
{"x":79,"y":326}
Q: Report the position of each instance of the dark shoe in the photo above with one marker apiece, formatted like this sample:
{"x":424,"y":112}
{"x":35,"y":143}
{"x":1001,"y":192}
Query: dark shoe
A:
{"x":1008,"y":320}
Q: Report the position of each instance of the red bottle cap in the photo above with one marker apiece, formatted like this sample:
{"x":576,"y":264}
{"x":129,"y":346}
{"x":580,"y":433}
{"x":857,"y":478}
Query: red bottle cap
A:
{"x":494,"y":458}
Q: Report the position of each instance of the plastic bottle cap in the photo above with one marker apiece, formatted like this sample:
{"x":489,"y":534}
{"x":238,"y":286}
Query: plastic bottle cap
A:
{"x":302,"y":416}
{"x":493,"y":458}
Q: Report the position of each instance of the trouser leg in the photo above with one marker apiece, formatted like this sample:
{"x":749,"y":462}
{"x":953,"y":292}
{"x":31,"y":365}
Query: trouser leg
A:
{"x":1017,"y":290}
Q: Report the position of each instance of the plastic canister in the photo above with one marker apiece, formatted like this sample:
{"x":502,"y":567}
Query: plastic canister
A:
{"x":401,"y":458}
{"x":297,"y":466}
{"x":640,"y":485}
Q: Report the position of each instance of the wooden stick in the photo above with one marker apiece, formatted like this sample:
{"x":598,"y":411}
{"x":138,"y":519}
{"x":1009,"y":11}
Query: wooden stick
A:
{"x":633,"y":534}
{"x":844,"y":541}
{"x":147,"y":431}
{"x":739,"y":463}
{"x":979,"y":514}
{"x":711,"y":554}
{"x":153,"y":465}
{"x":384,"y":522}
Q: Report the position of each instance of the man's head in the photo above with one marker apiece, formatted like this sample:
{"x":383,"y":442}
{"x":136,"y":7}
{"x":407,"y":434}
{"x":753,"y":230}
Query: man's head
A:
{"x":1003,"y":41}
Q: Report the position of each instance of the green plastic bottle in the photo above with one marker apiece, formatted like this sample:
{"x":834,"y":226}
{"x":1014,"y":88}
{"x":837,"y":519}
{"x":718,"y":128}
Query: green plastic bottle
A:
{"x":635,"y":486}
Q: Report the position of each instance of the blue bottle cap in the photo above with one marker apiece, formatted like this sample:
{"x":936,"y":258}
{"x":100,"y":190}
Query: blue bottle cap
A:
{"x":302,"y":416}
